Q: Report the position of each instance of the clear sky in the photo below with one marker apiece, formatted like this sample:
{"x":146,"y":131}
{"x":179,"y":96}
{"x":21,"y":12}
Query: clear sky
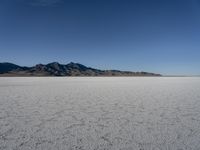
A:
{"x":161,"y":36}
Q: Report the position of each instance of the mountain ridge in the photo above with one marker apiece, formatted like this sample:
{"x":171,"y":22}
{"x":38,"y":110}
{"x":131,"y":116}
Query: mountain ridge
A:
{"x":57,"y":69}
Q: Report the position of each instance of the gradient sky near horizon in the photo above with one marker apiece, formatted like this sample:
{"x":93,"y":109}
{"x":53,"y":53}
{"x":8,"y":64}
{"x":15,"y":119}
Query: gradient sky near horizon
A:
{"x":161,"y":36}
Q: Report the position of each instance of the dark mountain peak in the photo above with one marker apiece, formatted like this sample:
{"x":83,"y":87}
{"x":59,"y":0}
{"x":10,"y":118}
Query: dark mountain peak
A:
{"x":8,"y":64}
{"x":39,"y":65}
{"x":54,"y":63}
{"x":6,"y":67}
{"x":73,"y":65}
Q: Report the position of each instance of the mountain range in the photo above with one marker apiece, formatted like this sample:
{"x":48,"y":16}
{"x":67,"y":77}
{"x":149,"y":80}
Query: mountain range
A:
{"x":57,"y":69}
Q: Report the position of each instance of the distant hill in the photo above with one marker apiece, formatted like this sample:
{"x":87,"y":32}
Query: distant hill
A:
{"x":6,"y":67}
{"x":56,"y":69}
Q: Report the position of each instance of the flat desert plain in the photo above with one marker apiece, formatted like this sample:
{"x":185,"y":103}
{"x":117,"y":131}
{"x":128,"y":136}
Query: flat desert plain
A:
{"x":100,"y":113}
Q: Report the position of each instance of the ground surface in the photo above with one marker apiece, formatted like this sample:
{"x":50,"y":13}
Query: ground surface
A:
{"x":133,"y":113}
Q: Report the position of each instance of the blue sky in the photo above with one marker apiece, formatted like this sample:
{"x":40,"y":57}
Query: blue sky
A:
{"x":138,"y":35}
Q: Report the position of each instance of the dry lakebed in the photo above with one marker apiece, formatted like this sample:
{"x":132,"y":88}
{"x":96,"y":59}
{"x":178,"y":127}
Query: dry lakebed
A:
{"x":99,"y":113}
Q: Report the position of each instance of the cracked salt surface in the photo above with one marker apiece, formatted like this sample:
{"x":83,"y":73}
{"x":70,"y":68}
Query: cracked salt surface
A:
{"x":100,"y":113}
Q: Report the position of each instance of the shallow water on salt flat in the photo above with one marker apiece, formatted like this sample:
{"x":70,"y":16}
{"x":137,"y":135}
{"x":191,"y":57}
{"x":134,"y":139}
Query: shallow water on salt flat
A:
{"x":100,"y":113}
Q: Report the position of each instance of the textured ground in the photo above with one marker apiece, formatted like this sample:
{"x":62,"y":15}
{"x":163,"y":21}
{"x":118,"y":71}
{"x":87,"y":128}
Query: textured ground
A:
{"x":110,"y":113}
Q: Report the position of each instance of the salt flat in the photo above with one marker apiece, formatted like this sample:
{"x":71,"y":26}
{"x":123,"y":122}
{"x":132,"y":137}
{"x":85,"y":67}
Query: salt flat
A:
{"x":100,"y":113}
